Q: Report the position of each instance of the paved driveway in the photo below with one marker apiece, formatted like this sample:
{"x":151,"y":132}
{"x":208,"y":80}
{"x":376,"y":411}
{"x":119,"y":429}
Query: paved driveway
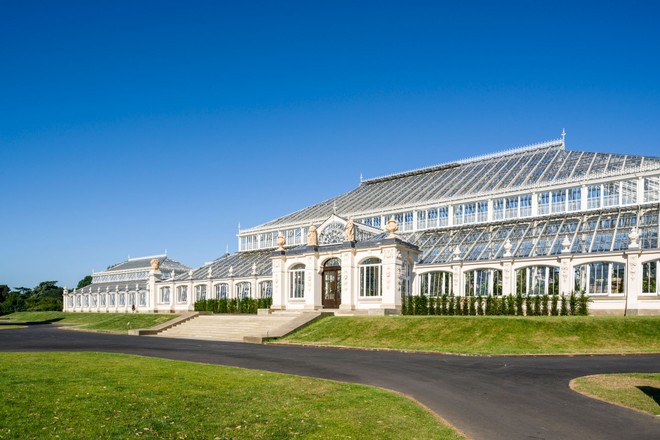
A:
{"x":485,"y":397}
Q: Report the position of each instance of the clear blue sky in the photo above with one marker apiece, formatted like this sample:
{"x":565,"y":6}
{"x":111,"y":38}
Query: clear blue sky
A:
{"x":131,"y":127}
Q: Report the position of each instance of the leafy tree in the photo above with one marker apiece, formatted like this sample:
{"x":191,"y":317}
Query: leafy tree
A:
{"x":84,"y":282}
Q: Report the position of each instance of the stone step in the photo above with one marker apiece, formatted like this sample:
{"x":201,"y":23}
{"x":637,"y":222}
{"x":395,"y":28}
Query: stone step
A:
{"x":239,"y":327}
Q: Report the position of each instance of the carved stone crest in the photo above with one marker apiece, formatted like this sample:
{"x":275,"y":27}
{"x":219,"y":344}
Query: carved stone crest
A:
{"x":155,"y":264}
{"x":312,"y":236}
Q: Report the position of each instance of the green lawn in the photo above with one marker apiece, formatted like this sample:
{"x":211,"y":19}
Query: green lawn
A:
{"x":94,"y":395}
{"x":633,"y":390}
{"x":102,"y":322}
{"x":8,"y":326}
{"x":488,"y":334}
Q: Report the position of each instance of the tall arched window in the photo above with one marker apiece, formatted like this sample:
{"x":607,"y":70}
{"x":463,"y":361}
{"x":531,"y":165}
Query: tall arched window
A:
{"x":164,"y":295}
{"x":113,"y":299}
{"x":650,"y":277}
{"x":600,"y":278}
{"x":371,"y":277}
{"x":221,"y":290}
{"x":266,"y":289}
{"x":483,"y":282}
{"x":122,"y":299}
{"x":200,"y":292}
{"x":436,"y":283}
{"x":406,"y":278}
{"x":537,"y":280}
{"x":243,"y":290}
{"x":297,"y":281}
{"x":182,"y":294}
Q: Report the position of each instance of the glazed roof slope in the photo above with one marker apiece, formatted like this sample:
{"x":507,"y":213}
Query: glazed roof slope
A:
{"x":241,"y":265}
{"x":131,"y":286}
{"x":599,"y":231}
{"x":166,"y":264}
{"x":533,"y":166}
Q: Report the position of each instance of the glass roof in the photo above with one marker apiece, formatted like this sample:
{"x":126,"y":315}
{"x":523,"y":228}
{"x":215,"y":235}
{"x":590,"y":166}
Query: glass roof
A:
{"x":543,"y":165}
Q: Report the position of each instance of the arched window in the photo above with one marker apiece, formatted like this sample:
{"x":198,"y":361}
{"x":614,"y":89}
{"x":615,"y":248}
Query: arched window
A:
{"x":266,"y":289}
{"x":182,"y":294}
{"x":200,"y":292}
{"x":164,"y":295}
{"x":600,"y":278}
{"x":103,"y":300}
{"x":86,"y":300}
{"x":483,"y":282}
{"x":122,"y":299}
{"x":406,"y":277}
{"x":94,"y":300}
{"x":650,"y":277}
{"x":371,"y":277}
{"x":69,"y":301}
{"x":143,"y":298}
{"x":221,"y":290}
{"x":78,"y":300}
{"x":436,"y":283}
{"x":243,"y":290}
{"x":332,"y":262}
{"x":113,"y":299}
{"x":297,"y":281}
{"x":131,"y":299}
{"x":537,"y":280}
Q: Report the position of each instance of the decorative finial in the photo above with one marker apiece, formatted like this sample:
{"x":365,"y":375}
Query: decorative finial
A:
{"x":392,"y":226}
{"x":563,"y":136}
{"x":457,"y":253}
{"x":633,"y":236}
{"x":360,"y":177}
{"x":565,"y":245}
{"x":231,"y":271}
{"x":507,"y":248}
{"x":226,"y":249}
{"x":281,"y":241}
{"x":239,"y":226}
{"x":254,"y":268}
{"x":210,"y":271}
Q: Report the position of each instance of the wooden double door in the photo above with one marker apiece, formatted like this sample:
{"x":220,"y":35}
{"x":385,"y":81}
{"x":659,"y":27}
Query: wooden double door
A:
{"x":331,"y":294}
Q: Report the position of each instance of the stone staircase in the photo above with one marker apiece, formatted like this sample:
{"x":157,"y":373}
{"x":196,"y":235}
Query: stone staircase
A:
{"x":240,"y":328}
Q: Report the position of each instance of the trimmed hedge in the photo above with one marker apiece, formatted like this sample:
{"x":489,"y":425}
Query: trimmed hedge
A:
{"x":512,"y":305}
{"x":233,"y":305}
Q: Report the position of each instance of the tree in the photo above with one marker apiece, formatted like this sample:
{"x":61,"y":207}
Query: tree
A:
{"x":84,"y":282}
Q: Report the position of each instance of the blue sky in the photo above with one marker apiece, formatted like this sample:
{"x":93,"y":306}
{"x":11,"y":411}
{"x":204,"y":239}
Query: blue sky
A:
{"x":132,"y":127}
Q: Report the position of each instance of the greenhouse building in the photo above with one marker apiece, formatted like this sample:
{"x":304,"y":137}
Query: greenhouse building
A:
{"x":540,"y":219}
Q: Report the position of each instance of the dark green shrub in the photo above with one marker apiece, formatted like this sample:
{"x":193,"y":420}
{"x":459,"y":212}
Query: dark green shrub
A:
{"x":480,"y":305}
{"x":529,"y":310}
{"x":545,"y":305}
{"x":554,"y":311}
{"x":472,"y":305}
{"x":564,"y":306}
{"x":519,"y":304}
{"x":451,"y":305}
{"x":572,"y":304}
{"x":537,"y":305}
{"x":431,"y":307}
{"x":583,"y":305}
{"x":443,"y":305}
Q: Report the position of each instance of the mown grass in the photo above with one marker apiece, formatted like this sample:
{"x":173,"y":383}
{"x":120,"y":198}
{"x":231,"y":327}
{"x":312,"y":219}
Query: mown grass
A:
{"x":488,"y":334}
{"x":101,"y":322}
{"x":640,"y":391}
{"x":8,"y":326}
{"x":99,"y":395}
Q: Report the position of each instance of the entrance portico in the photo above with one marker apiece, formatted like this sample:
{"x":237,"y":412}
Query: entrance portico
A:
{"x":347,"y":267}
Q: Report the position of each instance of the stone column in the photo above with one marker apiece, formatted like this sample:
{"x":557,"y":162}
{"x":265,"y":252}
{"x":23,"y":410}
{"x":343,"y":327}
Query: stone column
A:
{"x":633,"y":274}
{"x":390,"y":278}
{"x":349,"y":281}
{"x":279,"y":282}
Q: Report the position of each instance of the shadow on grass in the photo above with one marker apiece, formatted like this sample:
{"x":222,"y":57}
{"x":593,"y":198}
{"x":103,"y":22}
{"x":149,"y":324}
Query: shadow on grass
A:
{"x":652,"y":392}
{"x":45,"y":321}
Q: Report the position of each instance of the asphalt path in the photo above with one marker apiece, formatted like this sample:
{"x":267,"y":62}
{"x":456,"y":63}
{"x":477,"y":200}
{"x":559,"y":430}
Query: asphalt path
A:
{"x":512,"y":397}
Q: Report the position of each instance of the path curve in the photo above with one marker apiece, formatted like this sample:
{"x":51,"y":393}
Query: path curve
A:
{"x":517,"y":397}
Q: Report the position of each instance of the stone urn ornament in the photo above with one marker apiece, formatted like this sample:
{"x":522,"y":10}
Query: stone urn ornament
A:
{"x":392,"y":226}
{"x":155,"y":264}
{"x":281,"y":241}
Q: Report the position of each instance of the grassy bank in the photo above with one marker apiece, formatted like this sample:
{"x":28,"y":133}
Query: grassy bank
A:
{"x":92,"y":395}
{"x":633,"y":390}
{"x":488,"y":335}
{"x":102,"y":322}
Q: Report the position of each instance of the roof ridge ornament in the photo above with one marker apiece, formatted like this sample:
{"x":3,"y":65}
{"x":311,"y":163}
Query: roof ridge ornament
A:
{"x":563,"y":137}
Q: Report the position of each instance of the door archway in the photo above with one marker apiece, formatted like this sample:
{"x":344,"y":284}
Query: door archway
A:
{"x":331,"y":284}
